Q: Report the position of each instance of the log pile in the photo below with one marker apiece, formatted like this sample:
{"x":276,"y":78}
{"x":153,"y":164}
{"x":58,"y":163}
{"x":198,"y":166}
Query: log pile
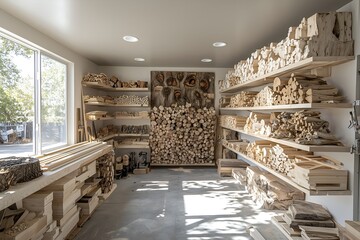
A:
{"x":105,"y":172}
{"x":307,"y":220}
{"x":182,"y":135}
{"x":323,"y":34}
{"x":278,"y":157}
{"x":258,"y":123}
{"x":99,"y":78}
{"x":17,"y":170}
{"x":232,"y":121}
{"x":270,"y":192}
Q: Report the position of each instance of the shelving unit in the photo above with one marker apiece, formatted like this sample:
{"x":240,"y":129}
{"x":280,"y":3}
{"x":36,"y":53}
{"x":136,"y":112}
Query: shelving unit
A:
{"x":297,"y":68}
{"x":103,"y":90}
{"x":286,"y":178}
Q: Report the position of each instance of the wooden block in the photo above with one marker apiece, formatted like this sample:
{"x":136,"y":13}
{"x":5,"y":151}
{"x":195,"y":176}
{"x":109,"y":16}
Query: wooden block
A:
{"x":140,"y":171}
{"x":91,"y":170}
{"x":61,"y":222}
{"x":64,"y":184}
{"x":353,"y":227}
{"x":33,"y":227}
{"x":70,"y":225}
{"x":61,"y":208}
{"x":37,"y":201}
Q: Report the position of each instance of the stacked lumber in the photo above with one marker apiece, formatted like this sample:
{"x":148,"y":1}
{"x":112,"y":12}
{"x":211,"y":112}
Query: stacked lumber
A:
{"x":143,"y":114}
{"x":66,"y":193}
{"x":21,"y":224}
{"x":307,"y":220}
{"x":318,"y":173}
{"x":17,"y":170}
{"x":131,"y":141}
{"x":98,"y":99}
{"x":270,"y":192}
{"x":67,"y":155}
{"x":243,"y":99}
{"x":97,"y":115}
{"x":182,"y":135}
{"x":323,"y":34}
{"x":352,"y":230}
{"x":105,"y":171}
{"x":258,"y":123}
{"x":132,"y":100}
{"x":278,"y":157}
{"x":232,"y":121}
{"x":89,"y":202}
{"x":99,"y":78}
{"x":108,"y":130}
{"x":226,"y":166}
{"x":134,"y":129}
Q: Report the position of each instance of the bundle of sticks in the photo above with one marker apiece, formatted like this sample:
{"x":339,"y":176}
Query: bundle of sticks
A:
{"x":232,"y":121}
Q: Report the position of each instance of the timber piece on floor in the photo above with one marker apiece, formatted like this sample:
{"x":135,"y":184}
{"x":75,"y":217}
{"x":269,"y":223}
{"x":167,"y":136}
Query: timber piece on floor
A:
{"x":270,"y":192}
{"x":318,"y":173}
{"x":352,"y":229}
{"x":309,"y":233}
{"x":226,"y":166}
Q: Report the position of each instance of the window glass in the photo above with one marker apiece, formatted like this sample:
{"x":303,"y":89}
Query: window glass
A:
{"x":16,"y":98}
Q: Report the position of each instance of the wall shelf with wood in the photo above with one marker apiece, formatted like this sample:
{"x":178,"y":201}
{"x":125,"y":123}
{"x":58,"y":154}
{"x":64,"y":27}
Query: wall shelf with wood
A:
{"x":290,"y":143}
{"x":102,"y":104}
{"x":111,"y":89}
{"x":291,"y":107}
{"x":299,"y":67}
{"x":286,"y":178}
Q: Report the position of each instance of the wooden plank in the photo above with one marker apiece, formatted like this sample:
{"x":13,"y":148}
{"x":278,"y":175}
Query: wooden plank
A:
{"x":303,"y":65}
{"x":33,"y":227}
{"x":275,"y":221}
{"x":287,"y":179}
{"x":297,"y":222}
{"x":353,"y":227}
{"x":255,"y":234}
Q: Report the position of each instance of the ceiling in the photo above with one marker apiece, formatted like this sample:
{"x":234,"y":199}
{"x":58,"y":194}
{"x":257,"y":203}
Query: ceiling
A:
{"x":172,"y":33}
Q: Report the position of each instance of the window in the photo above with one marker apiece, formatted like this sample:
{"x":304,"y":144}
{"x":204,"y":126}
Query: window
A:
{"x":33,"y":113}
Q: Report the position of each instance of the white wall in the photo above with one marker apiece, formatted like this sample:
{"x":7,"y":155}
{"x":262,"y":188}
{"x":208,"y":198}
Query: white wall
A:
{"x":78,"y":68}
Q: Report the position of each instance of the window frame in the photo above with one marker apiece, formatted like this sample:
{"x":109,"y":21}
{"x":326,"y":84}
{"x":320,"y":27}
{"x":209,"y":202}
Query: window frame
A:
{"x":38,"y":52}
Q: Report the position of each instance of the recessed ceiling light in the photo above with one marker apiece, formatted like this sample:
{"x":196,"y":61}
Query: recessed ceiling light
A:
{"x":130,"y":38}
{"x":219,"y":44}
{"x":139,"y":59}
{"x":206,"y":60}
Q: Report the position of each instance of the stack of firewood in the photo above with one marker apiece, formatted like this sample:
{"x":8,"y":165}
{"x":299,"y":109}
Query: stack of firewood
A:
{"x":270,"y":192}
{"x":278,"y":157}
{"x":105,"y":171}
{"x":232,"y":121}
{"x":182,"y":135}
{"x":314,"y":36}
{"x":243,"y":99}
{"x":96,"y":78}
{"x":265,"y":97}
{"x":258,"y":123}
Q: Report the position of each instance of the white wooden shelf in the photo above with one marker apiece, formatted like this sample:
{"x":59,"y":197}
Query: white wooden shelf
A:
{"x":182,"y":165}
{"x":109,"y":88}
{"x":301,"y":66}
{"x":132,"y":146}
{"x":291,"y":107}
{"x":286,"y":178}
{"x":102,"y":104}
{"x":291,"y":143}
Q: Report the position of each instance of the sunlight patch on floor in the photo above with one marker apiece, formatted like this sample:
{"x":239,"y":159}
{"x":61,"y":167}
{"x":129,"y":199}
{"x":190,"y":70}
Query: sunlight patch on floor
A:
{"x":153,"y":186}
{"x":216,"y":226}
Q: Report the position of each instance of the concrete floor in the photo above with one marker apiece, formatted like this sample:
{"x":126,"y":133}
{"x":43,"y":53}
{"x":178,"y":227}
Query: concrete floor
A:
{"x":181,"y":204}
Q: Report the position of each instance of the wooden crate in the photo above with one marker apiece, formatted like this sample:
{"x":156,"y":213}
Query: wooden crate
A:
{"x":319,"y":173}
{"x":225,"y":166}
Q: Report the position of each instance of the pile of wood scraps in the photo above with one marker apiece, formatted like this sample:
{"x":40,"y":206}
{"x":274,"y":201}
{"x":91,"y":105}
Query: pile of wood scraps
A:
{"x":100,"y":78}
{"x":237,"y":122}
{"x":237,"y":145}
{"x":97,"y":115}
{"x":258,"y":123}
{"x":313,"y":37}
{"x":307,"y":220}
{"x":243,"y":99}
{"x":67,"y":155}
{"x":270,"y":192}
{"x":105,"y":171}
{"x":103,"y":80}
